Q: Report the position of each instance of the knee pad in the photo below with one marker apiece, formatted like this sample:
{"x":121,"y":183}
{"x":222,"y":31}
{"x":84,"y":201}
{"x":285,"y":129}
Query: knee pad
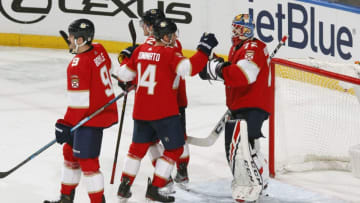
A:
{"x":139,"y":149}
{"x":155,"y":152}
{"x":68,"y":153}
{"x":174,"y":154}
{"x":90,"y":165}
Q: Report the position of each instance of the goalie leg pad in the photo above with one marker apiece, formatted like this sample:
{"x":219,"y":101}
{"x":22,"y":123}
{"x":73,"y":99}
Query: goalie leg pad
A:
{"x":229,"y":131}
{"x":261,"y":164}
{"x":247,"y":183}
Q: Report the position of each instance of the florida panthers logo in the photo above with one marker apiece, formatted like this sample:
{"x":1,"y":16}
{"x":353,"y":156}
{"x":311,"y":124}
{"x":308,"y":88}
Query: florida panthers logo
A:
{"x":75,"y":81}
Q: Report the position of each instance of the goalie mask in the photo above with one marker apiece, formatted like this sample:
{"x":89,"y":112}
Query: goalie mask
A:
{"x":165,"y":27}
{"x":242,"y":28}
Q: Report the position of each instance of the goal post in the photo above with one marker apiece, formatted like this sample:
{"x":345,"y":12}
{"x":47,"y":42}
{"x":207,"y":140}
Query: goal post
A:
{"x":315,"y":115}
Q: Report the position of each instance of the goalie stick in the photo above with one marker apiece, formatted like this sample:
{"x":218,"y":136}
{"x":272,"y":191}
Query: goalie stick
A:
{"x":6,"y":173}
{"x":133,"y":37}
{"x":213,"y":136}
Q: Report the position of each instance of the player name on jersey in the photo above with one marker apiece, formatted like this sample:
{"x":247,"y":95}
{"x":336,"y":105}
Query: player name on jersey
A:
{"x":149,"y":56}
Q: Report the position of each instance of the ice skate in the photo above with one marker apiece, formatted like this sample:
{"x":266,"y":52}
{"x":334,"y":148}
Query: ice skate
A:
{"x":124,"y":190}
{"x":64,"y":198}
{"x":182,"y":175}
{"x":155,"y":194}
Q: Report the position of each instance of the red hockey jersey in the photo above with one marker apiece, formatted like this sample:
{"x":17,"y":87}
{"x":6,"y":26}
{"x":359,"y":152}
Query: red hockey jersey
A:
{"x":89,"y":88}
{"x":246,"y":79}
{"x":156,"y":69}
{"x":180,"y":86}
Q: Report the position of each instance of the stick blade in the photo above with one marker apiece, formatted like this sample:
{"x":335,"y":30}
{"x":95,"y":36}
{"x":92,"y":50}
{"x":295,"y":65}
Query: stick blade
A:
{"x":4,"y":174}
{"x":203,"y":142}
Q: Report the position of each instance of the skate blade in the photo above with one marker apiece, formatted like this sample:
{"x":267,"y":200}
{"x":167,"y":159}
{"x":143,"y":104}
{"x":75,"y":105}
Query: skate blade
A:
{"x":122,"y":200}
{"x":183,"y":185}
{"x":148,"y":200}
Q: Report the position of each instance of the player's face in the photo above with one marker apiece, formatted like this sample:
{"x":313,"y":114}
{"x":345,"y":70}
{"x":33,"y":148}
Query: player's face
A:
{"x":147,"y":29}
{"x":170,"y":39}
{"x":71,"y":38}
{"x":240,"y":31}
{"x":73,"y":42}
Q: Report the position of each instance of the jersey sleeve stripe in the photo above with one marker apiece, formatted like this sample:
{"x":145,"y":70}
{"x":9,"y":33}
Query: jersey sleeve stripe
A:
{"x":78,"y":99}
{"x":184,"y":67}
{"x":250,"y":69}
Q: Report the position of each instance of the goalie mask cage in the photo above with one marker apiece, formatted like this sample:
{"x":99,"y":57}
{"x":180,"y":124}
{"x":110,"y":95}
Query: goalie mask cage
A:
{"x":315,"y":117}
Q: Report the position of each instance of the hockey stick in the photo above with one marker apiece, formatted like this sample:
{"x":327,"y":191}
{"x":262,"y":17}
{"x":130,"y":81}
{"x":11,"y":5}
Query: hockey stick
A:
{"x":132,"y":32}
{"x":4,"y":174}
{"x":213,"y":136}
{"x":210,"y":139}
{"x":64,"y":36}
{"x":133,"y":37}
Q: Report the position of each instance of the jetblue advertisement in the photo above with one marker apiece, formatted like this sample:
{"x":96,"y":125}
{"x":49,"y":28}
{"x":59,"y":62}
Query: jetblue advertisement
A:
{"x":313,"y":31}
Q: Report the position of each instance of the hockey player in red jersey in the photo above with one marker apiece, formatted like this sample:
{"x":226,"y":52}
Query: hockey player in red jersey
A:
{"x":156,"y":149}
{"x":156,"y":112}
{"x":246,"y":79}
{"x":89,"y":88}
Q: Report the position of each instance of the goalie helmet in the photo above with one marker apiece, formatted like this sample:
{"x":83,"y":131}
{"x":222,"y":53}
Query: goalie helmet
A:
{"x":164,"y":27}
{"x":150,"y":16}
{"x":82,"y":28}
{"x":242,"y":27}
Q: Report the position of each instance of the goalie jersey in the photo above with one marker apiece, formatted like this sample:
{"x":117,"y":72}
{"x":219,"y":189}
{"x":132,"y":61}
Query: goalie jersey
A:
{"x":89,"y":87}
{"x":246,"y":79}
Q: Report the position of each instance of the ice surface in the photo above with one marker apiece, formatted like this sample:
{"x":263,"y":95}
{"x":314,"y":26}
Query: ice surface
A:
{"x":33,"y":97}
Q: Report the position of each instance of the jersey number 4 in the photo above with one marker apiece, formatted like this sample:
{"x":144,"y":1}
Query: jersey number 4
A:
{"x":147,"y":79}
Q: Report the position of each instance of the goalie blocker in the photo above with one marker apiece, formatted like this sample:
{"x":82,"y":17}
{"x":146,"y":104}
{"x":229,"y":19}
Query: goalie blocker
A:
{"x":247,"y":163}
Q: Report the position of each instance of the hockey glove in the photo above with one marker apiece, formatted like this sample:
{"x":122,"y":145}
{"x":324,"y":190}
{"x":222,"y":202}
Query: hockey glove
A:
{"x":207,"y":42}
{"x":126,"y":53}
{"x":213,"y":69}
{"x":62,"y":132}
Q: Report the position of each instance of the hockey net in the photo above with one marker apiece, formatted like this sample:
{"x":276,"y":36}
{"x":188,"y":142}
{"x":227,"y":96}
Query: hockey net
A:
{"x":316,"y":115}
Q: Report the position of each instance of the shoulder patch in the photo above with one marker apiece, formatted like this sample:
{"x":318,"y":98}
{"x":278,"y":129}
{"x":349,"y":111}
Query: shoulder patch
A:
{"x":75,"y":82}
{"x":249,"y":55}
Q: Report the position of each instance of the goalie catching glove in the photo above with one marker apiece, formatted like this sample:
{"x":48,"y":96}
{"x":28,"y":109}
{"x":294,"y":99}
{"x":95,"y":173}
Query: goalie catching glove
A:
{"x":213,"y":69}
{"x":126,"y":53}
